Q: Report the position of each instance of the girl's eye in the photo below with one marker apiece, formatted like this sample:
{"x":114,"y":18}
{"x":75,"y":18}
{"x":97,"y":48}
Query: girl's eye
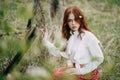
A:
{"x":70,"y":20}
{"x":76,"y":19}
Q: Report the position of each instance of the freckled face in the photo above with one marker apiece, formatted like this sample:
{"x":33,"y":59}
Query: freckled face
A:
{"x":72,"y":23}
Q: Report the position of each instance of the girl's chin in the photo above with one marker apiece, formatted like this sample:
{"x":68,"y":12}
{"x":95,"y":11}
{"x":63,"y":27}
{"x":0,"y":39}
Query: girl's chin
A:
{"x":74,"y":29}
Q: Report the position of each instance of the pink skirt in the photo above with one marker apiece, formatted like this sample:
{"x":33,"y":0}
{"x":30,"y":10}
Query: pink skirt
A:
{"x":94,"y":75}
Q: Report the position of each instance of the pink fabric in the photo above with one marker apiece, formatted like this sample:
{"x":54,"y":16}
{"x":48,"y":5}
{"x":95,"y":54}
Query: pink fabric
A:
{"x":94,"y":76}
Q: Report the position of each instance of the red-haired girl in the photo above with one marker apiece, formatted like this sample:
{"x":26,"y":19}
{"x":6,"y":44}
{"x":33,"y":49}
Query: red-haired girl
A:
{"x":83,"y":52}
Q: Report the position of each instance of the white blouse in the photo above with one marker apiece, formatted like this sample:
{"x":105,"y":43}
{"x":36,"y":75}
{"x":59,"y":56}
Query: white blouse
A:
{"x":80,"y":50}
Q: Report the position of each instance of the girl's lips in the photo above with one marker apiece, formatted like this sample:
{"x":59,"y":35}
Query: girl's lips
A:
{"x":74,"y":27}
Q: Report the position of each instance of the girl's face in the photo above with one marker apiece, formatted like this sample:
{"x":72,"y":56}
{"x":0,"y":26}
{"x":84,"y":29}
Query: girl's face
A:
{"x":72,"y":23}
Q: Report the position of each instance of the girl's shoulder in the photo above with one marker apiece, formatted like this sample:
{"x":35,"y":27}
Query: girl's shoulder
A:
{"x":87,"y":35}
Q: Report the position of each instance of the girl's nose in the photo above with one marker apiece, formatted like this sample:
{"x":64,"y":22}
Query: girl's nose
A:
{"x":73,"y":22}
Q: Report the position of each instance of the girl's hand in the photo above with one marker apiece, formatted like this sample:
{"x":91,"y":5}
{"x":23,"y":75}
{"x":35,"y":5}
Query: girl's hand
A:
{"x":45,"y":33}
{"x":59,"y":72}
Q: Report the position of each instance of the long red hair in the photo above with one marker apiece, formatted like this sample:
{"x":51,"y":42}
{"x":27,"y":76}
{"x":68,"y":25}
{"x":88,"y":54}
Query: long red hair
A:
{"x":77,"y":13}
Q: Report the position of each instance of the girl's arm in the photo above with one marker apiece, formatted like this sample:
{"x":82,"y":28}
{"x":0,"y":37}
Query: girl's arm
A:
{"x":53,"y":50}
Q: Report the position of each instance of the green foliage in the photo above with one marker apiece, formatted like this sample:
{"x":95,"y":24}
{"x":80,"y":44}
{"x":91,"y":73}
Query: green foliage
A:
{"x":24,"y":12}
{"x":5,"y":26}
{"x":1,"y":14}
{"x":109,"y":2}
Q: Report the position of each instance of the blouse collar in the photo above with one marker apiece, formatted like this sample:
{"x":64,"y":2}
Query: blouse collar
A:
{"x":74,"y":32}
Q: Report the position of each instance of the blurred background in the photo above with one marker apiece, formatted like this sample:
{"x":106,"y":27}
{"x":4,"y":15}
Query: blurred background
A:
{"x":23,"y":56}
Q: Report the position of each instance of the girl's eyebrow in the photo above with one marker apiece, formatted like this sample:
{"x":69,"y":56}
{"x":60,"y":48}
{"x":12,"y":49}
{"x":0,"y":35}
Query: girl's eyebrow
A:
{"x":70,"y":19}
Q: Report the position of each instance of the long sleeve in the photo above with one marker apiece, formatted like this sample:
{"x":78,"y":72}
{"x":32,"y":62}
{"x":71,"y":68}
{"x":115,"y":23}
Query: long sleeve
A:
{"x":96,"y":58}
{"x":53,"y":50}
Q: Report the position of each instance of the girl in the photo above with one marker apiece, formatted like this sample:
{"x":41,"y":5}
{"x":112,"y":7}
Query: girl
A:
{"x":82,"y":52}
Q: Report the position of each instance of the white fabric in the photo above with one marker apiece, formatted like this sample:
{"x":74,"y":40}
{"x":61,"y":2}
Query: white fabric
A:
{"x":84,"y":50}
{"x":53,"y":50}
